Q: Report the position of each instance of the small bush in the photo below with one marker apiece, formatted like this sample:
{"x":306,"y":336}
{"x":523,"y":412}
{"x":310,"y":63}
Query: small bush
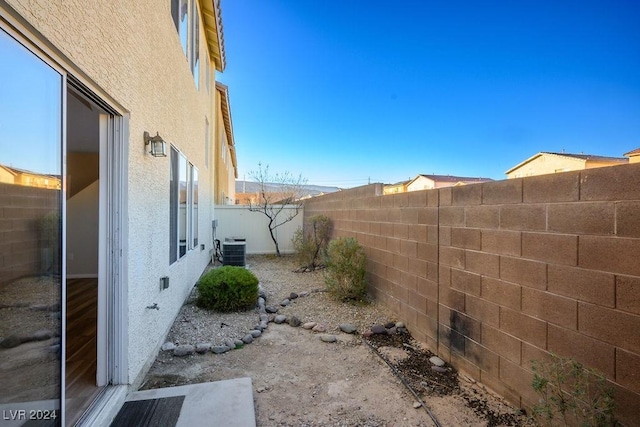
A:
{"x":346,"y":268}
{"x":227,"y":288}
{"x":310,"y":243}
{"x":571,"y":394}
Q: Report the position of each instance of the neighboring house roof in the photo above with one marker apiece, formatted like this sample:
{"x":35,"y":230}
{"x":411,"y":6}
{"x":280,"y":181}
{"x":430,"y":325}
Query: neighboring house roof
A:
{"x":399,"y":183}
{"x":17,"y":171}
{"x":228,"y":126}
{"x":254,"y":187}
{"x":452,"y":178}
{"x":212,"y":14}
{"x":577,"y":157}
{"x":635,"y":152}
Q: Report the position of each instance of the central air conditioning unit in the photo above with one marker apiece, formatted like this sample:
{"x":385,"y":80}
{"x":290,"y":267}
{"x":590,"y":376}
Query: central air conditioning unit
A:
{"x":234,"y":251}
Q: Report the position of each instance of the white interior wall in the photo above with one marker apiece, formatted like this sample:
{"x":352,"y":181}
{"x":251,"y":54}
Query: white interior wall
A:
{"x":82,"y":232}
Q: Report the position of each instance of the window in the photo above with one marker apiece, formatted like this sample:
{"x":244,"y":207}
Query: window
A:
{"x":173,"y":207}
{"x":183,"y":205}
{"x":194,"y":58}
{"x":194,"y":206}
{"x":207,"y":70}
{"x":224,"y":149}
{"x":182,"y":202}
{"x":32,"y":114}
{"x":207,"y":143}
{"x":187,"y":21}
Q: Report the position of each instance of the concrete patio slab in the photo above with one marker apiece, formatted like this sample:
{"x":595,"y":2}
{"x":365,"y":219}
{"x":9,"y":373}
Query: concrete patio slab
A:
{"x":228,"y":403}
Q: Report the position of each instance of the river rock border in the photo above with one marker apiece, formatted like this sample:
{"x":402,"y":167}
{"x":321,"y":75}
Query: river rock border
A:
{"x":269,"y":314}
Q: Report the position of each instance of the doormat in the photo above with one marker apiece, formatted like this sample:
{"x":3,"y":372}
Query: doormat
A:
{"x":150,"y":413}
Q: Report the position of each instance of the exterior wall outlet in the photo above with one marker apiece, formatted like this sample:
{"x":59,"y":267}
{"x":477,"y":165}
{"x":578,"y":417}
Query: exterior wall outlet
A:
{"x":164,"y":283}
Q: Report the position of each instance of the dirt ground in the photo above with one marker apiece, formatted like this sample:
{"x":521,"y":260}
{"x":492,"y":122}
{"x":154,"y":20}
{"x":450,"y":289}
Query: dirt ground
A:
{"x":300,"y":380}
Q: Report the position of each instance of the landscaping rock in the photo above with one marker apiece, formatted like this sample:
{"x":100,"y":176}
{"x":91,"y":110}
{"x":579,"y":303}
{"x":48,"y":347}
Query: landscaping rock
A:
{"x":255,"y":333}
{"x":184,"y":350}
{"x":280,"y":318}
{"x":294,"y":321}
{"x":436,"y":361}
{"x":379,"y":329}
{"x":230,"y":343}
{"x":168,"y":346}
{"x":438,"y":369}
{"x":248,"y":339}
{"x":348,"y":328}
{"x":293,"y":295}
{"x":389,"y":325}
{"x":285,"y":302}
{"x":203,"y":347}
{"x":303,"y":294}
{"x":41,"y":335}
{"x":309,"y":325}
{"x":238,"y":343}
{"x":400,"y":325}
{"x":264,"y":318}
{"x":10,"y":341}
{"x":392,"y":331}
{"x":219,"y":349}
{"x":367,"y":333}
{"x":271,"y":309}
{"x":328,"y":338}
{"x":319,"y":328}
{"x":264,"y":325}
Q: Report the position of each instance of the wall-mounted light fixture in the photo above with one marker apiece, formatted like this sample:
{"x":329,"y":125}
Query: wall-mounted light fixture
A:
{"x":157,"y":146}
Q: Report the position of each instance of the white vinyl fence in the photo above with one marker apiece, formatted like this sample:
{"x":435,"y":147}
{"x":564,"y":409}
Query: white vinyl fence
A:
{"x":238,"y":221}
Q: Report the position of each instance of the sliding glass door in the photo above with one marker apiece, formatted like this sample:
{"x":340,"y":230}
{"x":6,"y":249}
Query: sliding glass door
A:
{"x":31,"y":234}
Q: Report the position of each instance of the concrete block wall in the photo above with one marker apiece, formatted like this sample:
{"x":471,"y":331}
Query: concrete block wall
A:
{"x":21,"y":210}
{"x":492,"y":276}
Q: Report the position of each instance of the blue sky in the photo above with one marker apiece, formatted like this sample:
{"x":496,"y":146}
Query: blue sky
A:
{"x":344,"y":92}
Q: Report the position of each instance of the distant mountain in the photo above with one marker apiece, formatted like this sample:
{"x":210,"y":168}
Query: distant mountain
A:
{"x":254,"y":187}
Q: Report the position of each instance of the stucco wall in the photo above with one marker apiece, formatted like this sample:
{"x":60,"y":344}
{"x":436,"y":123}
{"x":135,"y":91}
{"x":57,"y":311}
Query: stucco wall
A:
{"x":238,"y":221}
{"x":422,"y":183}
{"x":131,"y":52}
{"x":546,"y":164}
{"x":493,"y":275}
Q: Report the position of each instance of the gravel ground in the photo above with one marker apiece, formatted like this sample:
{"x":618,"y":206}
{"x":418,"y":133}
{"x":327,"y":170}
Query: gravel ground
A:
{"x":299,"y":380}
{"x":278,"y":279}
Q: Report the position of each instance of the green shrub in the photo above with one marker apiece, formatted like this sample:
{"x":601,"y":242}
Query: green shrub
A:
{"x":227,"y":288}
{"x":571,"y":394}
{"x":310,"y":243}
{"x":346,"y":267}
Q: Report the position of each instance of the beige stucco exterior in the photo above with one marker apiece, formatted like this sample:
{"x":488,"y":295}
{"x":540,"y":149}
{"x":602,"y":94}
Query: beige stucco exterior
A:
{"x":634,"y":156}
{"x":226,"y":170}
{"x":18,"y":177}
{"x":545,"y":163}
{"x":129,"y":54}
{"x":429,"y":182}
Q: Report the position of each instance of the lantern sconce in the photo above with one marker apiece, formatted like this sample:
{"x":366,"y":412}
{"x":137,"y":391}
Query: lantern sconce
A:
{"x":157,"y":146}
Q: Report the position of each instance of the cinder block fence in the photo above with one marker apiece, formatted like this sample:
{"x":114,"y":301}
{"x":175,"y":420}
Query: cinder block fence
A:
{"x":492,"y":276}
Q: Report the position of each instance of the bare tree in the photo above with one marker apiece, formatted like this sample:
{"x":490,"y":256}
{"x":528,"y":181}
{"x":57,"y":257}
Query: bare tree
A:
{"x":279,"y":198}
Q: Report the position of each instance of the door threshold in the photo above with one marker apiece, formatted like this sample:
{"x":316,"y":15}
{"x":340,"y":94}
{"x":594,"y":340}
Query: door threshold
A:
{"x":105,"y":407}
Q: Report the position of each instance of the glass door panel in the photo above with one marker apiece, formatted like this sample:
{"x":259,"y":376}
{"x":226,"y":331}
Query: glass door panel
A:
{"x":31,"y":218}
